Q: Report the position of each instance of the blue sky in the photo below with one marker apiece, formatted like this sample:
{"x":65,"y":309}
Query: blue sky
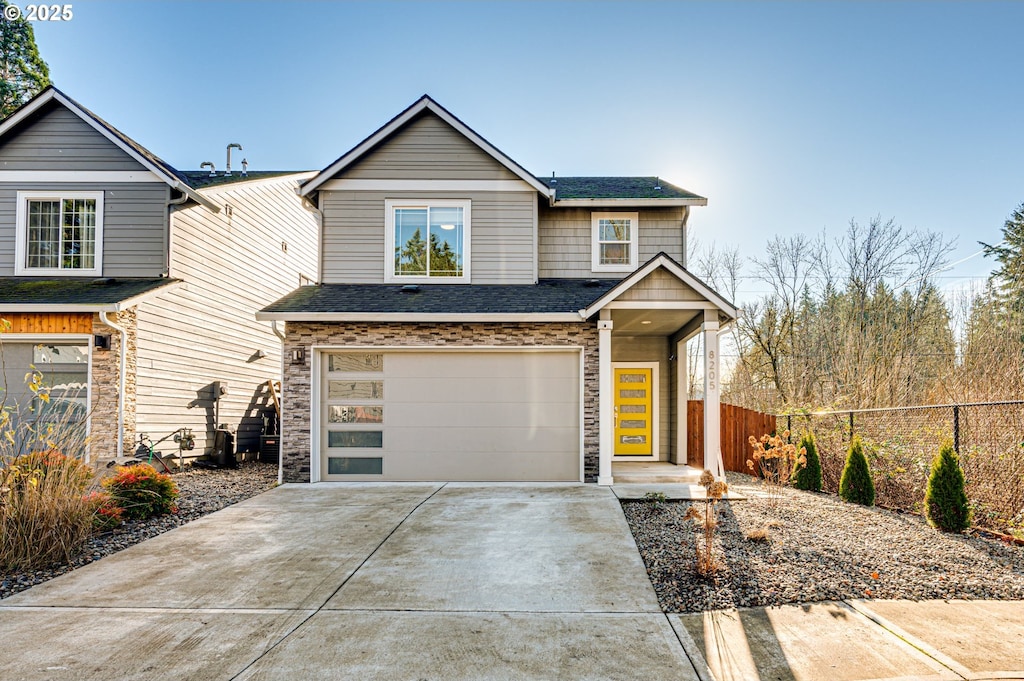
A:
{"x":789,"y":117}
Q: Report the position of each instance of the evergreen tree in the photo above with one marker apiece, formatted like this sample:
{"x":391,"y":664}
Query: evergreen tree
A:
{"x":23,"y":73}
{"x":945,"y":501}
{"x":1009,"y":253}
{"x":412,"y":257}
{"x":856,"y":485}
{"x":808,"y":476}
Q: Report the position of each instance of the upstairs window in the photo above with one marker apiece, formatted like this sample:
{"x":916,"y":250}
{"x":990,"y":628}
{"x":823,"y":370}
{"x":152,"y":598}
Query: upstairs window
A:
{"x":428,"y":241}
{"x":614,"y":240}
{"x":59,"y":233}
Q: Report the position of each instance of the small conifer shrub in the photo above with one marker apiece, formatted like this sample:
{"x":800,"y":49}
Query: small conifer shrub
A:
{"x":945,"y":501}
{"x":808,"y":476}
{"x":856,"y":485}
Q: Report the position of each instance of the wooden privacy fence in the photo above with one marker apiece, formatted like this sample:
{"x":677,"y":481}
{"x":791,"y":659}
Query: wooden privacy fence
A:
{"x":737,"y":424}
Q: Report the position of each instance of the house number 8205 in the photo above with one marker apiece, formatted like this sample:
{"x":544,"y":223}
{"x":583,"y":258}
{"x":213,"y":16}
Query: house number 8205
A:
{"x":712,"y":371}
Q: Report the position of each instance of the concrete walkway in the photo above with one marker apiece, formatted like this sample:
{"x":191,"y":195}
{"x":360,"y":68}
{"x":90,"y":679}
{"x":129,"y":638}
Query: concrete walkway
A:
{"x":455,"y":581}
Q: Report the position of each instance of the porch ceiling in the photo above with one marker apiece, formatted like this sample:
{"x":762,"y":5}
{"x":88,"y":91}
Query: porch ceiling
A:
{"x":662,"y":322}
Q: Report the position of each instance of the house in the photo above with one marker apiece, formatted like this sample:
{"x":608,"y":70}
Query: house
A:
{"x":132,"y":286}
{"x":475,"y":322}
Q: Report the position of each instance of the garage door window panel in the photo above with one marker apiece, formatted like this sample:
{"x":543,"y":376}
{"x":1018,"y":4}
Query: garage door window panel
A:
{"x":354,"y":412}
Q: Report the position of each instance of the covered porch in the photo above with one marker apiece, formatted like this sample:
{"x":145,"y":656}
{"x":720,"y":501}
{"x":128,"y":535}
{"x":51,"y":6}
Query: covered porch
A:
{"x":644,"y":324}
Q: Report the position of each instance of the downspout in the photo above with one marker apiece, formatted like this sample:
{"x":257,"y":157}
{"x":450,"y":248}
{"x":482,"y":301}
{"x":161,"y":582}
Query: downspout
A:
{"x":686,"y":218}
{"x":312,"y":207}
{"x":280,"y":400}
{"x":122,"y":382}
{"x":171,"y":205}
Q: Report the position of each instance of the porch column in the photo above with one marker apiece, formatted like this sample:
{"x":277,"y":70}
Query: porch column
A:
{"x":712,"y":397}
{"x":606,"y":408}
{"x":682,"y":395}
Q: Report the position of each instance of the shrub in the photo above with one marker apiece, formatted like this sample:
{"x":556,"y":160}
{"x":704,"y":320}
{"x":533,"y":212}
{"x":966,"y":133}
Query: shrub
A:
{"x":774,"y":460}
{"x":106,"y":513}
{"x":44,"y":517}
{"x":707,"y":519}
{"x":945,"y":501}
{"x":855,"y":485}
{"x":142,"y":492}
{"x":808,"y":476}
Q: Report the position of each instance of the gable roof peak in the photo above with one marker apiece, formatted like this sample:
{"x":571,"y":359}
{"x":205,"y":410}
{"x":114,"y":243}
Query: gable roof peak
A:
{"x":426,"y":102}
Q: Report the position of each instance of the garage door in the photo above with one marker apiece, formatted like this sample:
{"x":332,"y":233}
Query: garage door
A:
{"x":450,"y":415}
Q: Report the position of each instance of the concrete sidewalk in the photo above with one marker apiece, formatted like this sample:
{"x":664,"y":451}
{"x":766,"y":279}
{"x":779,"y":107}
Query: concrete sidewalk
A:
{"x":456,"y":581}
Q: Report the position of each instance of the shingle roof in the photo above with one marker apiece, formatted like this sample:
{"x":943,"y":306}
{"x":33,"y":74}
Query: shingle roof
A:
{"x":198,"y":179}
{"x":547,"y":296}
{"x":38,"y":291}
{"x":615,"y":188}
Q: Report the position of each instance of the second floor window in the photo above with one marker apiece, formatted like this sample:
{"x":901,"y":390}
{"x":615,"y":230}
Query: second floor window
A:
{"x":428,"y":240}
{"x":614,"y":238}
{"x":59,"y":233}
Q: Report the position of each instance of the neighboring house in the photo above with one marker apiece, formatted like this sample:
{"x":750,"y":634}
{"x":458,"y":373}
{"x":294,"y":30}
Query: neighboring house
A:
{"x":132,"y":286}
{"x":475,"y":322}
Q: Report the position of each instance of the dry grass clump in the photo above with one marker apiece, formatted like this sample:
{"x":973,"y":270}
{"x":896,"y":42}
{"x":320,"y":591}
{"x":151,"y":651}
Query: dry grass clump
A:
{"x":45,"y":516}
{"x":707,"y":520}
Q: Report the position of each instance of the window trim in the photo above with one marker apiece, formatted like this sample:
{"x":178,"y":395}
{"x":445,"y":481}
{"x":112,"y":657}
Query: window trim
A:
{"x":595,"y":241}
{"x":21,"y":230}
{"x":389,"y":239}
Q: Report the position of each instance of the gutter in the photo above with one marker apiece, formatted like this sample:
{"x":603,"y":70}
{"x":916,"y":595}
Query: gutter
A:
{"x":309,"y":205}
{"x":122,"y":382}
{"x":280,"y":400}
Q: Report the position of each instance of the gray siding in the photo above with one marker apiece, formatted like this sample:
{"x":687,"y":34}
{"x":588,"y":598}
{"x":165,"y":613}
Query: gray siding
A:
{"x":652,"y":349}
{"x":661,"y":285}
{"x":564,"y":247}
{"x":57,"y":139}
{"x":134,"y":225}
{"x":428,"y":149}
{"x":501,"y":235}
{"x":206,"y":331}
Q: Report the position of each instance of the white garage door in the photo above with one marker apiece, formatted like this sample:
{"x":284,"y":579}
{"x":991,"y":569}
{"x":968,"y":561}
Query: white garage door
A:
{"x":450,"y":415}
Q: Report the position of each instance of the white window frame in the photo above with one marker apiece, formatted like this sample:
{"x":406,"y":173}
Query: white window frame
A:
{"x":21,"y":241}
{"x":595,"y":240}
{"x":389,"y":241}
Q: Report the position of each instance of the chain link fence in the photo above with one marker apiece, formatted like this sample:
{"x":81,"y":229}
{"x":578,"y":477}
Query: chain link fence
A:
{"x":900,"y":444}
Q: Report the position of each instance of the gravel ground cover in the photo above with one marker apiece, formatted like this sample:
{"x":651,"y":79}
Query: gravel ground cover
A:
{"x":819,"y":549}
{"x":202,"y":491}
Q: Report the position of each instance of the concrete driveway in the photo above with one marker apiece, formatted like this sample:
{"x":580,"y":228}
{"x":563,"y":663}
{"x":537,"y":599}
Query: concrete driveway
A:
{"x":335,"y":581}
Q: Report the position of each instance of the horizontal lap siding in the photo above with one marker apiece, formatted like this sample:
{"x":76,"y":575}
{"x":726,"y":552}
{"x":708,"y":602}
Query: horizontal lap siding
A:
{"x":428,"y":149}
{"x":134,"y":225}
{"x":660,"y":285}
{"x":501,"y":235}
{"x":206,"y":330}
{"x":59,"y":140}
{"x":564,"y":238}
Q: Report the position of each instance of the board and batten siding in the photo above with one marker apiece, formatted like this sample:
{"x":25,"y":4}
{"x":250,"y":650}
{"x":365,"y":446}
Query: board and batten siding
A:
{"x":564,"y":239}
{"x":652,"y":349}
{"x":57,"y":139}
{"x":206,"y":330}
{"x":427,"y":148}
{"x":134,"y":224}
{"x":501,"y":235}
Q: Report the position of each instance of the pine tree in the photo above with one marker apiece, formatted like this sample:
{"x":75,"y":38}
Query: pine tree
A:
{"x":1009,"y":253}
{"x":856,"y":485}
{"x":808,"y":476}
{"x":23,"y":73}
{"x":945,"y":501}
{"x":412,"y":257}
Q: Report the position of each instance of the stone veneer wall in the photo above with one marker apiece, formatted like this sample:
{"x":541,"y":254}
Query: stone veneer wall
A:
{"x":105,"y":384}
{"x":295,"y":438}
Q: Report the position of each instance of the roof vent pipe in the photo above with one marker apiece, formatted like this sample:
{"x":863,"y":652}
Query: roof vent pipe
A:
{"x":657,"y":184}
{"x":208,"y":164}
{"x":235,"y":145}
{"x":553,"y":180}
{"x":245,"y":168}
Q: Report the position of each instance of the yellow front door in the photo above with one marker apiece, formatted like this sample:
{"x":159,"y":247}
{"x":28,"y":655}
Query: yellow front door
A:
{"x":634,"y":406}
